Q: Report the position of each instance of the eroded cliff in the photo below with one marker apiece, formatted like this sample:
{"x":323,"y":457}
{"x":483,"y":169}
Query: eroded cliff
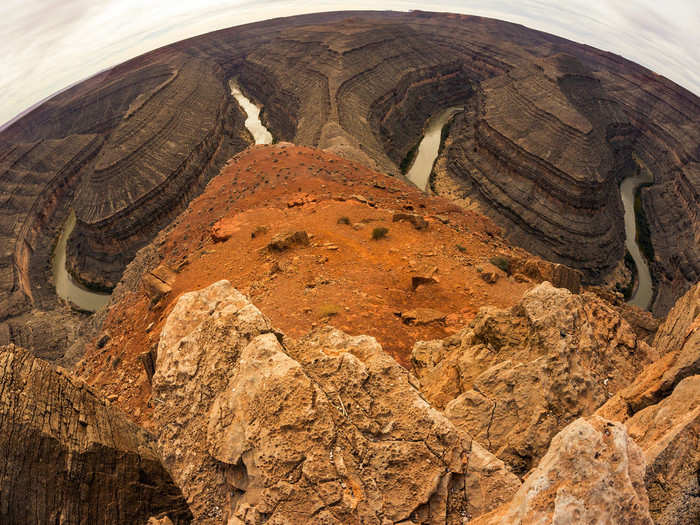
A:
{"x":68,"y":457}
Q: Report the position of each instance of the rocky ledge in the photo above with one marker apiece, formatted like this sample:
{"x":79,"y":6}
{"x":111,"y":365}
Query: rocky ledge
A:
{"x":327,"y":429}
{"x":70,"y":458}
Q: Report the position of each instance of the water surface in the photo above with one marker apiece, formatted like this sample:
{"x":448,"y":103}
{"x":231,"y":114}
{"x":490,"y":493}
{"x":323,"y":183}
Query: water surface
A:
{"x":66,"y":287}
{"x":260,"y":133}
{"x":644,"y":292}
{"x":419,"y":174}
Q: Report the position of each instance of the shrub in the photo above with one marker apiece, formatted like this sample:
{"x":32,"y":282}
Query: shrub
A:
{"x":461,"y":248}
{"x":329,"y":310}
{"x":501,"y":262}
{"x":379,"y":233}
{"x":344,"y":220}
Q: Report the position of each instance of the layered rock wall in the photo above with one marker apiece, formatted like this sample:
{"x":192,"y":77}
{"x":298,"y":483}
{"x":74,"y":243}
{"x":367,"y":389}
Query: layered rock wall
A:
{"x":70,"y":458}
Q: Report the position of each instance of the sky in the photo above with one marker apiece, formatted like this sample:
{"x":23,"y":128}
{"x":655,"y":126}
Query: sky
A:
{"x":47,"y":45}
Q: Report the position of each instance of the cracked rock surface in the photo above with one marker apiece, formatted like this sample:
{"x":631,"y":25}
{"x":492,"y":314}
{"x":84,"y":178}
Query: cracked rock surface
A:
{"x":592,"y":473}
{"x":328,"y":429}
{"x":516,"y":377}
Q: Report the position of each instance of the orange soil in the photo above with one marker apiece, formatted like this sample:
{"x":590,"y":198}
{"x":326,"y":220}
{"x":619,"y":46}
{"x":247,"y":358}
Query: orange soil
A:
{"x":343,"y":278}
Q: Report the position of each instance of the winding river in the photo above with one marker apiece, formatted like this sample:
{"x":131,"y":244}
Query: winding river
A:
{"x":85,"y":299}
{"x":644,"y":292}
{"x":419,"y":174}
{"x":66,"y":287}
{"x":260,"y":133}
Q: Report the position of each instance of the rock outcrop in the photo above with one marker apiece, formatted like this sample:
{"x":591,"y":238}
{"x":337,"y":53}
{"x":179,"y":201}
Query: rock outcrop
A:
{"x":592,"y":473}
{"x":669,"y":435}
{"x":328,"y":429}
{"x":515,"y":378}
{"x":69,"y":458}
{"x":661,"y":410}
{"x":677,"y":342}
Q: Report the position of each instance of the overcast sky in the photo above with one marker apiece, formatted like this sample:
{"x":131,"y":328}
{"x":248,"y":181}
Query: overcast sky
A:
{"x":46,"y":45}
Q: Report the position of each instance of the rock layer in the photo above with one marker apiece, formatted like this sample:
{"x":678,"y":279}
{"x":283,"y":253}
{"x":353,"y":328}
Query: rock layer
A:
{"x":69,"y":458}
{"x":363,"y":85}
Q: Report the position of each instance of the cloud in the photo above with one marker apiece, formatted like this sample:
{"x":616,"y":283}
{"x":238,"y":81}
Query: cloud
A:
{"x":50,"y":44}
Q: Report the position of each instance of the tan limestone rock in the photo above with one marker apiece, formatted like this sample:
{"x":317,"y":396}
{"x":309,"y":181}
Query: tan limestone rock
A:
{"x":516,"y":377}
{"x":329,"y":429}
{"x":592,"y":473}
{"x":669,"y":435}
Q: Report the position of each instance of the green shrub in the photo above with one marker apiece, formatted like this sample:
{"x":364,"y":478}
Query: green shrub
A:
{"x":379,"y":233}
{"x":329,"y":310}
{"x":501,"y":262}
{"x":344,"y":220}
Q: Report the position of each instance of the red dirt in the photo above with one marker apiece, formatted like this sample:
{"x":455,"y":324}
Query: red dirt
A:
{"x":343,"y":278}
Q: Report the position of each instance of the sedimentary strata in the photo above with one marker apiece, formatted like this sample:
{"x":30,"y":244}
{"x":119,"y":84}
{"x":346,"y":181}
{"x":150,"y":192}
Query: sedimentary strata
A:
{"x":550,"y":127}
{"x":68,"y":457}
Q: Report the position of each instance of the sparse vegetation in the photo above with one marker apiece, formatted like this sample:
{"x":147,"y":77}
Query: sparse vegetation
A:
{"x":501,"y":262}
{"x":461,"y":248}
{"x":329,"y":310}
{"x":379,"y":233}
{"x":344,"y":220}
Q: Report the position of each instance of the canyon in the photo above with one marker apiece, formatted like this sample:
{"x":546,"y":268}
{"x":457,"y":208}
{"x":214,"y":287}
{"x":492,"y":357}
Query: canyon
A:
{"x":354,"y":267}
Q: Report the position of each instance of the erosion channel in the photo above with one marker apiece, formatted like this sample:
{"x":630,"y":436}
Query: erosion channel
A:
{"x":66,"y":287}
{"x":85,"y":299}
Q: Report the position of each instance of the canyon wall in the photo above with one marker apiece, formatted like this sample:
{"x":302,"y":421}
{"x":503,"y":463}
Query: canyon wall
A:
{"x":68,"y":457}
{"x":549,"y":129}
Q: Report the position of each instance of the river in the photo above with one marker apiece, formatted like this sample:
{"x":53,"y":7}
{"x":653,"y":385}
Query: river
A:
{"x":85,"y":299}
{"x":419,"y":174}
{"x":644,"y":291}
{"x":260,"y":133}
{"x":66,"y":287}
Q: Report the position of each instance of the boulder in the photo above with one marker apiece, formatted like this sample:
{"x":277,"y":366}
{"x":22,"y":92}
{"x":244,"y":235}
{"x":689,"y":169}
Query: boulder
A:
{"x":328,"y":429}
{"x":284,"y":241}
{"x":516,"y":377}
{"x":418,"y":222}
{"x":158,"y":282}
{"x":422,"y":316}
{"x":225,"y":228}
{"x":423,"y":279}
{"x":592,"y":473}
